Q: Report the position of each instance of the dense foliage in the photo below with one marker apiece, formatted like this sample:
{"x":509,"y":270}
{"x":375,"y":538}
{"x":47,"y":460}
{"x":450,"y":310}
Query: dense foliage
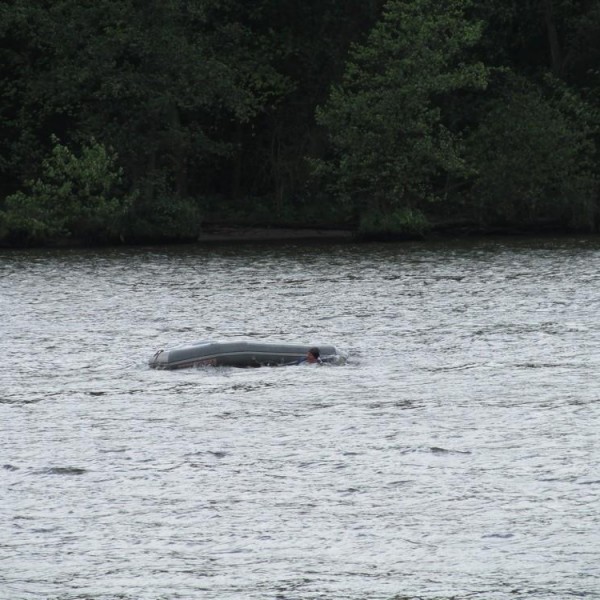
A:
{"x":132,"y":121}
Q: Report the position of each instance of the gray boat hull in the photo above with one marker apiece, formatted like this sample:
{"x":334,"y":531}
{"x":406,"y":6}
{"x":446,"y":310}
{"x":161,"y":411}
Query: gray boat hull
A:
{"x":239,"y":354}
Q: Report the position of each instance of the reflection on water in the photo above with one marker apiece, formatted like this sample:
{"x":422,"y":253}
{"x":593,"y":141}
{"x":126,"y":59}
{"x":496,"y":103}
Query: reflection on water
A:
{"x":455,"y":456}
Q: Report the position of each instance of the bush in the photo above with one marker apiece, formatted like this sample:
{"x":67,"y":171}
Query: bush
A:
{"x":166,"y":218}
{"x":75,"y":197}
{"x":403,"y":223}
{"x":535,"y":158}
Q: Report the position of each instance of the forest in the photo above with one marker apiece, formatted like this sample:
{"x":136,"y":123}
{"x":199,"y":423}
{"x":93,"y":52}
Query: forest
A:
{"x":129,"y":121}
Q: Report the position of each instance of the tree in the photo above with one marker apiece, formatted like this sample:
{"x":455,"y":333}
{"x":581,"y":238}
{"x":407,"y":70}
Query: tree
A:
{"x":385,"y":119}
{"x":160,"y":81}
{"x":76,"y":196}
{"x":562,"y":36}
{"x":308,"y":44}
{"x":535,"y":157}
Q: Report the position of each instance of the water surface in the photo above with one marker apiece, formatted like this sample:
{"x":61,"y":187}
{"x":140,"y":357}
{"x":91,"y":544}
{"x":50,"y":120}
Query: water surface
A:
{"x":456,"y":455}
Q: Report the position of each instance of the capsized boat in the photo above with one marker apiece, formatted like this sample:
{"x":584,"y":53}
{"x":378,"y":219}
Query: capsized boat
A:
{"x":240,"y":354}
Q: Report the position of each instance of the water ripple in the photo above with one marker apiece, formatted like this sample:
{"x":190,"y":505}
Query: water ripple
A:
{"x":454,"y":456}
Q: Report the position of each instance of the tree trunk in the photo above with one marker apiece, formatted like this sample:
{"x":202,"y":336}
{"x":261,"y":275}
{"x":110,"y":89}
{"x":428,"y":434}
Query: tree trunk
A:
{"x":236,"y":179}
{"x":555,"y":50}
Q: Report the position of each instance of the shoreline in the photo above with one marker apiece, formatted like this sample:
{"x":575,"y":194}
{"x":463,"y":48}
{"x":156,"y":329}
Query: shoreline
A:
{"x":219,"y":233}
{"x":247,"y":234}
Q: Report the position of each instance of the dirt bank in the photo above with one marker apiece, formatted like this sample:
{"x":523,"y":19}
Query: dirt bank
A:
{"x":269,"y":234}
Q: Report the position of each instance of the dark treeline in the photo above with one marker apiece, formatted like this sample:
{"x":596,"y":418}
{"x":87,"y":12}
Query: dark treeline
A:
{"x":123,"y":120}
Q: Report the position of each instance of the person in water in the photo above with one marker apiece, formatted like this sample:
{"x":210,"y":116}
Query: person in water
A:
{"x":313,"y":356}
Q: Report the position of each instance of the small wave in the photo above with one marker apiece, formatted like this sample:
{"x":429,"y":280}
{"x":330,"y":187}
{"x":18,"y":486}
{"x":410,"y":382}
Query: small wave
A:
{"x":457,"y":367}
{"x":64,"y":471}
{"x":437,"y":450}
{"x":217,"y":453}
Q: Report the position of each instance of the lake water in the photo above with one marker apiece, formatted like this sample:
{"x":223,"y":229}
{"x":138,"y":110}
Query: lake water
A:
{"x":455,"y":456}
